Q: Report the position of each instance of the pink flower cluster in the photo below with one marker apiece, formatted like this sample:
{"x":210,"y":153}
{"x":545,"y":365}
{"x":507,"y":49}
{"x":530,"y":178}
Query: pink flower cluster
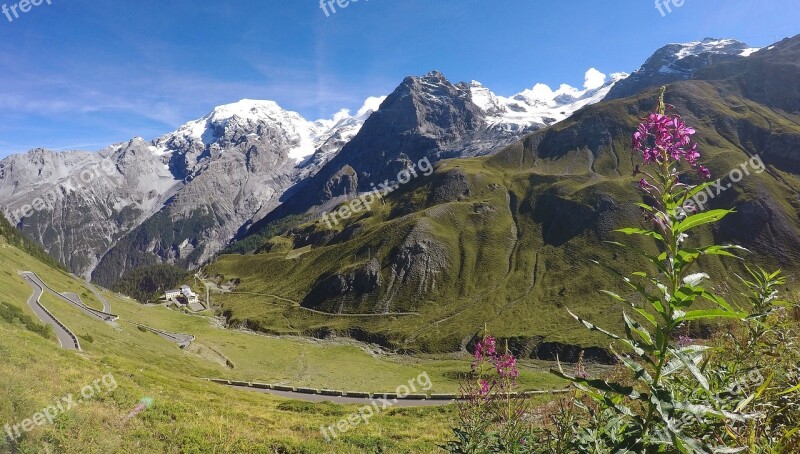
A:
{"x":507,"y":366}
{"x":486,"y":351}
{"x":661,"y":137}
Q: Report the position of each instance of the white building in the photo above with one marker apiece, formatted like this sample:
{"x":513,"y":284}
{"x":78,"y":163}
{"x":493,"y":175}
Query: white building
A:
{"x":191,"y":297}
{"x":171,"y":294}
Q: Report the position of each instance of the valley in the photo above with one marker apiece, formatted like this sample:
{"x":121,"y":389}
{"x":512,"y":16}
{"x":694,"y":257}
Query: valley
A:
{"x":441,"y":268}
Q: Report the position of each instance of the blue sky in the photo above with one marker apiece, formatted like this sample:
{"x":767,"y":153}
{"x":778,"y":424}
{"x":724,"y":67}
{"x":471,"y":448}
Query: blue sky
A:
{"x":85,"y":74}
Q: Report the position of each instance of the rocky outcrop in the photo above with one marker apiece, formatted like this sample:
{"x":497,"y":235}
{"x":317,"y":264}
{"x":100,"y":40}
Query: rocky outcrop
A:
{"x":416,"y":265}
{"x":450,"y":187}
{"x":676,"y":62}
{"x":340,"y":293}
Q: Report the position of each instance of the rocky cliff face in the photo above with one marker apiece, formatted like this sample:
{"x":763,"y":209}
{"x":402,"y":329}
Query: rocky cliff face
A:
{"x":77,"y":205}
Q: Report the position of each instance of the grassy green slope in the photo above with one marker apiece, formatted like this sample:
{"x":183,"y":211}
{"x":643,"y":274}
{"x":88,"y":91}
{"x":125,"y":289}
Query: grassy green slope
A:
{"x":514,"y":253}
{"x":190,"y":415}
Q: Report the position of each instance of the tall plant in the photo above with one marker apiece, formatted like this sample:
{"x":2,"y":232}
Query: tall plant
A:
{"x":492,"y":414}
{"x":650,"y":414}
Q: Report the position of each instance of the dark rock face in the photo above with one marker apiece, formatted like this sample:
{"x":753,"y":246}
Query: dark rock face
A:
{"x":342,"y":183}
{"x":563,"y":219}
{"x":537,"y":348}
{"x":551,"y":351}
{"x":450,"y":187}
{"x":310,"y":236}
{"x":332,"y":292}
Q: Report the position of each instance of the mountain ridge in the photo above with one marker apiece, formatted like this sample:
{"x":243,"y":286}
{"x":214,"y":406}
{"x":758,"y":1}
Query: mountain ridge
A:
{"x":505,"y":241}
{"x":218,"y":177}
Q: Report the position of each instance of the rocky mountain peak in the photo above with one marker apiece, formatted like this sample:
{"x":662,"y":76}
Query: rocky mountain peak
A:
{"x":680,"y":61}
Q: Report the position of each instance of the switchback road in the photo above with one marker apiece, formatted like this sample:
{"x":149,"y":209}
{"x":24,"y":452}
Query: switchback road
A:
{"x":66,"y":337}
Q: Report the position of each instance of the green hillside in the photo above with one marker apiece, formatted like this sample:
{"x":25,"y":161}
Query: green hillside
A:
{"x":190,"y":414}
{"x":507,"y":240}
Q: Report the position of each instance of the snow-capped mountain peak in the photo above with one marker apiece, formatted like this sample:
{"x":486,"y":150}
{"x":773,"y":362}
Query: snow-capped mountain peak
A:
{"x":680,"y":61}
{"x":541,"y":105}
{"x":247,"y":115}
{"x":713,"y":46}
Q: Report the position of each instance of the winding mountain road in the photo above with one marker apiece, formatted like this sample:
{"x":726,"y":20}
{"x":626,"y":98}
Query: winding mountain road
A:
{"x":181,"y":339}
{"x":72,"y":299}
{"x":93,"y":289}
{"x":318,"y":398}
{"x":66,"y":338}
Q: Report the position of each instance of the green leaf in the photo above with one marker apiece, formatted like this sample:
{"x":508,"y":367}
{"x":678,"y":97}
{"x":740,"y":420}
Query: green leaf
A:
{"x":656,"y":302}
{"x":690,"y":364}
{"x":649,"y":317}
{"x":698,"y":220}
{"x":791,"y":390}
{"x":709,"y":314}
{"x":639,"y":371}
{"x":686,"y":296}
{"x":743,"y":404}
{"x":720,"y":250}
{"x":594,"y":327}
{"x":694,"y":191}
{"x":646,"y":207}
{"x":643,"y":232}
{"x":600,"y":385}
{"x":719,"y":300}
{"x":658,"y":262}
{"x":632,"y":326}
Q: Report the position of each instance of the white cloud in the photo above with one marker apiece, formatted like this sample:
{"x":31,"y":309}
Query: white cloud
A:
{"x":594,"y":79}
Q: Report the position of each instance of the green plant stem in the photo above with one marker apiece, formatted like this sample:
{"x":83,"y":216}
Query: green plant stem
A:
{"x":673,"y":245}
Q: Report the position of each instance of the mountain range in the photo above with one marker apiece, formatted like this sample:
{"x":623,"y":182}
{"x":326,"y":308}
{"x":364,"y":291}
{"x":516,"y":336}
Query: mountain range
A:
{"x":183,"y":197}
{"x":507,"y":241}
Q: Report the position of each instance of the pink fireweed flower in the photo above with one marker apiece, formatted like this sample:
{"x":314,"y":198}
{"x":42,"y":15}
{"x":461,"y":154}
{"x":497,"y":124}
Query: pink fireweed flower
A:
{"x":661,"y":137}
{"x":484,"y":387}
{"x":682,"y":131}
{"x":704,"y":172}
{"x":486,"y":348}
{"x":507,"y":366}
{"x":645,"y":185}
{"x":692,"y":155}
